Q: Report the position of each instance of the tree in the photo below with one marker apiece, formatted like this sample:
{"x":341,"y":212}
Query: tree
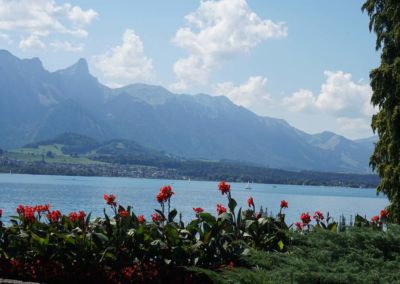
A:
{"x":50,"y":154}
{"x":385,"y":82}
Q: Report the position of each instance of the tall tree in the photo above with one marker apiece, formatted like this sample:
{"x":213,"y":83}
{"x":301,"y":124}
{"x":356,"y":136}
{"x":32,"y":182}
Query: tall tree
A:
{"x":385,"y":82}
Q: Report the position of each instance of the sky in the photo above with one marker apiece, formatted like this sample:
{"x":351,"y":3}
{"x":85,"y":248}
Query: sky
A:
{"x":307,"y":62}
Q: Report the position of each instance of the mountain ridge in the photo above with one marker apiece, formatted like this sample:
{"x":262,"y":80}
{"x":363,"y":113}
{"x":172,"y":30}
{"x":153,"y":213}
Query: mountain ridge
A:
{"x":39,"y":105}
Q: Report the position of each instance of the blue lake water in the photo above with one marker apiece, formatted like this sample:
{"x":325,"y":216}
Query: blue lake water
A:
{"x":86,"y":193}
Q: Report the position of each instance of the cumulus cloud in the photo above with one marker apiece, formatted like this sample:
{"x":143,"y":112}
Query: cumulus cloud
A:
{"x":339,"y":95}
{"x":67,"y":46}
{"x":252,"y":94}
{"x":31,"y":42}
{"x":346,"y":101}
{"x":126,"y":63}
{"x":40,"y":18}
{"x":300,"y":101}
{"x":216,"y":31}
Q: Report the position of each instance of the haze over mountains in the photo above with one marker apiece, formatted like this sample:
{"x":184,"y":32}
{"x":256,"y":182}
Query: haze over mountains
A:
{"x":36,"y":105}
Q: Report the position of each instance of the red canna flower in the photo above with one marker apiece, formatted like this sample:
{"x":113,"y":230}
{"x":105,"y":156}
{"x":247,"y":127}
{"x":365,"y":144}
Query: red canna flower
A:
{"x":305,"y":218}
{"x":110,"y":199}
{"x":81,"y":215}
{"x":198,"y":210}
{"x":27,"y":213}
{"x":384,"y":213}
{"x":141,"y":219}
{"x":41,"y":208}
{"x":54,"y":216}
{"x":123,"y":213}
{"x":20,"y":209}
{"x":299,"y":225}
{"x":165,"y":194}
{"x":318,"y":216}
{"x":224,"y":187}
{"x":156,"y":217}
{"x":73,"y":217}
{"x":220,"y":209}
{"x":284,"y":204}
{"x":375,"y":219}
{"x":250,"y":202}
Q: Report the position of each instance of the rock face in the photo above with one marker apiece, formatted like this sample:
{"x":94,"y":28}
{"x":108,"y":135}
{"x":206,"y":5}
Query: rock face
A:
{"x":36,"y":104}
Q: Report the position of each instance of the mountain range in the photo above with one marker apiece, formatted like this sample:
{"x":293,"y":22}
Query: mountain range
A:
{"x":36,"y":104}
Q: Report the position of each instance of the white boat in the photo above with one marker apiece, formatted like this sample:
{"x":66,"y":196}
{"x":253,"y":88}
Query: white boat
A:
{"x":248,"y":186}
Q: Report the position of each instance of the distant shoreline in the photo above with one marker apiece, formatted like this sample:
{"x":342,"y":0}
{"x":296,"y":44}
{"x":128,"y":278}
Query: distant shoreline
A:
{"x":217,"y":172}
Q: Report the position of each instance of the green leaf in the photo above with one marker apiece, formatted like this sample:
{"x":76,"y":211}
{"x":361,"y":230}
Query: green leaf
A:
{"x":101,"y":237}
{"x":280,"y":245}
{"x":332,"y":227}
{"x":208,"y":218}
{"x":172,"y":234}
{"x":232,"y":205}
{"x":172,"y":215}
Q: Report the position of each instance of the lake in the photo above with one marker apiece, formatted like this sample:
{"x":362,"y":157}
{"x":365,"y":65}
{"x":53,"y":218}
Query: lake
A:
{"x":86,"y":193}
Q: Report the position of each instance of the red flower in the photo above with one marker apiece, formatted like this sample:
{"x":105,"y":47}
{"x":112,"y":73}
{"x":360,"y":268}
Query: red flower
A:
{"x":110,"y":199}
{"x":299,"y":225}
{"x":81,"y":215}
{"x":54,"y":216}
{"x":384,"y":214}
{"x":224,"y":187}
{"x":375,"y":219}
{"x":259,"y":215}
{"x":123,"y":213}
{"x":165,"y":194}
{"x":250,"y":202}
{"x":141,"y":219}
{"x":198,"y":210}
{"x":220,"y":209}
{"x":20,"y":209}
{"x":41,"y":208}
{"x":73,"y":216}
{"x":27,"y":212}
{"x":318,"y":215}
{"x":305,"y":218}
{"x":284,"y":204}
{"x":156,"y":217}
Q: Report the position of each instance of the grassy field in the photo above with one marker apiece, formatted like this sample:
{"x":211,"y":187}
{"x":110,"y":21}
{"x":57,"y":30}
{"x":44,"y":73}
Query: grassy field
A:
{"x":57,"y":157}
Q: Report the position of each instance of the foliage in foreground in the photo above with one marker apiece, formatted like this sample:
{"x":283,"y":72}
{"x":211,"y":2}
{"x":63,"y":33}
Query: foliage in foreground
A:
{"x":358,"y":255}
{"x":44,"y":245}
{"x":385,"y":82}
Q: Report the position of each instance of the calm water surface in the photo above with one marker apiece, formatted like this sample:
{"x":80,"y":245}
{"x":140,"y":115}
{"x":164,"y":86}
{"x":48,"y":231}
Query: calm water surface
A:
{"x":86,"y":193}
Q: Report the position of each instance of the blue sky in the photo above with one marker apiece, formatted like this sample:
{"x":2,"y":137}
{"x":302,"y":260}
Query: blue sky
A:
{"x":304,"y":61}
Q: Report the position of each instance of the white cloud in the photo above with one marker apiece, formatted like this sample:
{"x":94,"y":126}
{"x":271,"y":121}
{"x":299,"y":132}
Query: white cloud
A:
{"x":345,"y":101}
{"x":41,"y":18}
{"x":353,"y":124}
{"x":67,"y":46}
{"x":218,"y":30}
{"x":31,"y":42}
{"x":126,"y":63}
{"x":339,"y":95}
{"x":252,"y":94}
{"x":300,"y":100}
{"x":79,"y":16}
{"x":5,"y":38}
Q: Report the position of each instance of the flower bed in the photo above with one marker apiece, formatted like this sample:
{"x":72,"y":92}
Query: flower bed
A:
{"x":44,"y":245}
